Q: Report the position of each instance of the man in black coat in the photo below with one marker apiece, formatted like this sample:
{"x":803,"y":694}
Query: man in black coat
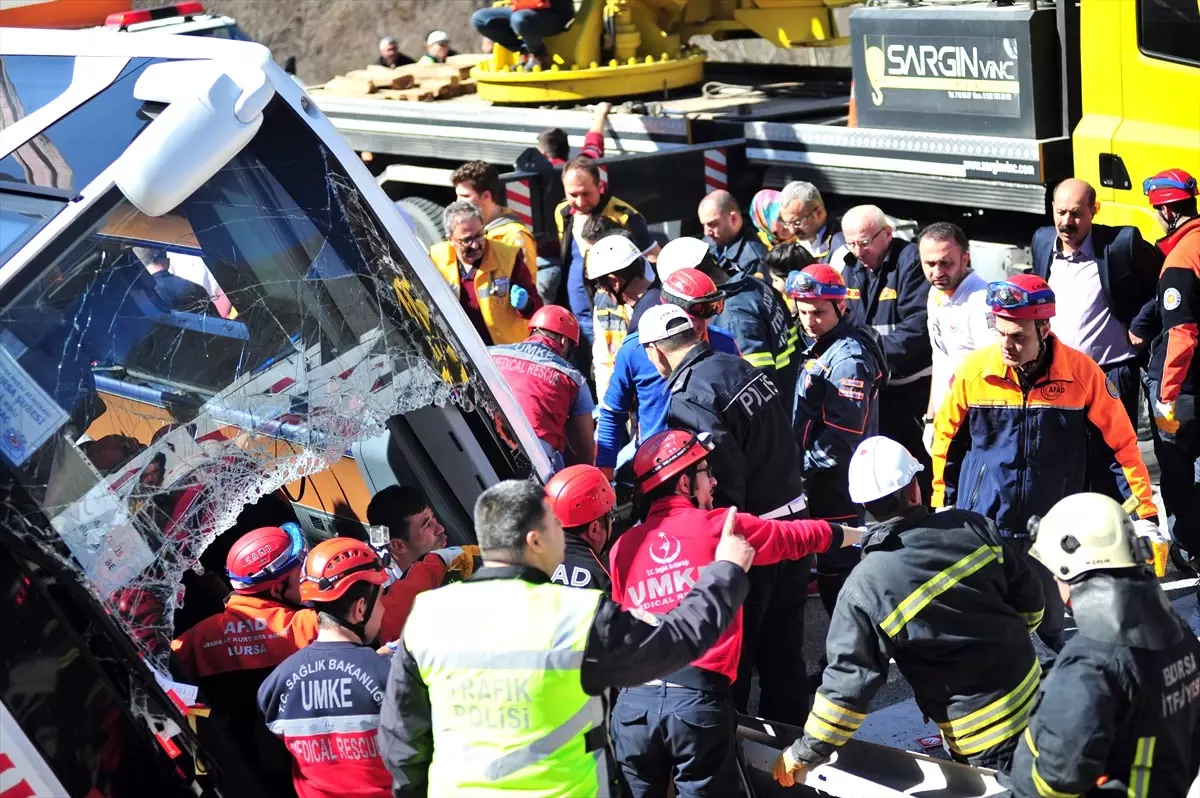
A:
{"x":1104,"y":279}
{"x":887,"y":292}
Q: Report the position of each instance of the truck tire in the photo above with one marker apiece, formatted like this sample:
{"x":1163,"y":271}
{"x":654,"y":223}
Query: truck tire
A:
{"x":426,"y":218}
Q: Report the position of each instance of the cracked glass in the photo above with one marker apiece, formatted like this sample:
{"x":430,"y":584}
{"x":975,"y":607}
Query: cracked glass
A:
{"x":159,"y":374}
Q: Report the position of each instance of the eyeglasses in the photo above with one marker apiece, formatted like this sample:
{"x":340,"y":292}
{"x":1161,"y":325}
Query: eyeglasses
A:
{"x":857,"y":245}
{"x":1010,"y":297}
{"x":469,"y":240}
{"x":1159,"y":183}
{"x":795,"y":224}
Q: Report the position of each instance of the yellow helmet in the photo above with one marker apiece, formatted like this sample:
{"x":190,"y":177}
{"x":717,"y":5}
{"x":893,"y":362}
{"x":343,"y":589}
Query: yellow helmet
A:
{"x":1086,"y":532}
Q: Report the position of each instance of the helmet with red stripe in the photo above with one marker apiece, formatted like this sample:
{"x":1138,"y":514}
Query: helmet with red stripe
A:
{"x":665,"y":455}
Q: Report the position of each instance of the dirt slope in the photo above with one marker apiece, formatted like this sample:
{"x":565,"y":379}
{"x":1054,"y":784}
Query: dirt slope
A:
{"x":332,"y":36}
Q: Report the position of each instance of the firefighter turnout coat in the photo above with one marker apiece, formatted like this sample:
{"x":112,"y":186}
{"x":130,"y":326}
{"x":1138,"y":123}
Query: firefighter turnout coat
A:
{"x":1120,"y":712}
{"x":1009,"y":454}
{"x":944,"y":596}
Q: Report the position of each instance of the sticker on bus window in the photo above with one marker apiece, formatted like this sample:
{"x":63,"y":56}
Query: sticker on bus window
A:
{"x":98,"y":531}
{"x":28,"y":415}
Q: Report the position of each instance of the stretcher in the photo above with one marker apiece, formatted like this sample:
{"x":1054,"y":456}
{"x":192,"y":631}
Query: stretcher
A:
{"x":859,"y":769}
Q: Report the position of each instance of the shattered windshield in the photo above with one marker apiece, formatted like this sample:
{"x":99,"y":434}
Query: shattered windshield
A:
{"x":158,"y":374}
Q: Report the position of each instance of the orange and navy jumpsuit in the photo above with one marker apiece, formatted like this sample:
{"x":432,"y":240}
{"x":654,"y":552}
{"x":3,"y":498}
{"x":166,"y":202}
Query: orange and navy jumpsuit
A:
{"x":1173,"y":377}
{"x":229,"y":655}
{"x":1009,"y":453}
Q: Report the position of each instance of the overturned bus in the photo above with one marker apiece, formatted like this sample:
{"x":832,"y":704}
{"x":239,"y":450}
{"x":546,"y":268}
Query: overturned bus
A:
{"x":211,"y":318}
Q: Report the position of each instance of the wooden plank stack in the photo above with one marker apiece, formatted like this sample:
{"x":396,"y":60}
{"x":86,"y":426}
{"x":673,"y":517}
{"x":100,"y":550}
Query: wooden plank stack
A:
{"x":412,"y":83}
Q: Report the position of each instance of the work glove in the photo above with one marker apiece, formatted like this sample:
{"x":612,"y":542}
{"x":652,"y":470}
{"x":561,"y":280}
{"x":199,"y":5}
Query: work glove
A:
{"x":788,"y":771}
{"x":927,"y":437}
{"x":518,"y":297}
{"x":1164,"y":417}
{"x":464,"y":563}
{"x":1160,"y":543}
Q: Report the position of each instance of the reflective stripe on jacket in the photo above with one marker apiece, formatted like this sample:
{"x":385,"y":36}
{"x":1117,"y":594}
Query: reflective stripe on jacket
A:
{"x":491,"y":283}
{"x":1009,"y":455}
{"x":943,"y":596}
{"x":252,"y":632}
{"x":509,"y":711}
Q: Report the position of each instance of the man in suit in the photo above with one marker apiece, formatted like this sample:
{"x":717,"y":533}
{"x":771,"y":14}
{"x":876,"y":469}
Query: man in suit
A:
{"x":1104,"y":278}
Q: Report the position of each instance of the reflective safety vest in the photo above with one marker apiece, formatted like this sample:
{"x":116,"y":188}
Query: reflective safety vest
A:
{"x":508,"y":229}
{"x":616,"y":210}
{"x":491,"y":283}
{"x":508,"y":709}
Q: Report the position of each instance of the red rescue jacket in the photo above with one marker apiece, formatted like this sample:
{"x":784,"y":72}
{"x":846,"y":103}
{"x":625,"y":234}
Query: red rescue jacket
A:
{"x":425,"y":574}
{"x":657,"y":562}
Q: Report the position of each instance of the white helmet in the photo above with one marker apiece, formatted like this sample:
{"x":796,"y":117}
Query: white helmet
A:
{"x":682,"y":253}
{"x":610,"y":254}
{"x":1086,"y":532}
{"x":879,"y":468}
{"x":662,"y":321}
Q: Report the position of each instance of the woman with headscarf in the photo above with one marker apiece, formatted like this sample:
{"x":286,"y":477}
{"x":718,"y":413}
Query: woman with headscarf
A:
{"x":764,"y":214}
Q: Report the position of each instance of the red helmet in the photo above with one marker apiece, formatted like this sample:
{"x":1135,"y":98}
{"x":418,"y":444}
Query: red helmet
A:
{"x":1022,"y":296}
{"x":336,"y":564}
{"x":818,"y":281}
{"x":1169,"y":185}
{"x":580,"y":494}
{"x":667,"y":454}
{"x":695,"y":292}
{"x":556,"y":319}
{"x":263,"y":558}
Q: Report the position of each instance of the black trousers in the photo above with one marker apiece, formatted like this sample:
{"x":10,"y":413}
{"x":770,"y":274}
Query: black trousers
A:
{"x":901,"y":408}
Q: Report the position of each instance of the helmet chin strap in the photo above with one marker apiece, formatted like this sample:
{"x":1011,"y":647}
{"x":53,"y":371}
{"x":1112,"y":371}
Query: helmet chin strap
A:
{"x":359,"y":629}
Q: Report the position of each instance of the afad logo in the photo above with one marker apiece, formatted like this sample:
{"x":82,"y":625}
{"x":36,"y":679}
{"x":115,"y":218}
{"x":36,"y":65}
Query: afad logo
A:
{"x":1052,"y":391}
{"x":665,"y":550}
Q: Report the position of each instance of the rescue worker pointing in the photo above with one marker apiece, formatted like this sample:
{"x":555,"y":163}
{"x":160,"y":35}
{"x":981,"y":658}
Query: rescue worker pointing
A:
{"x":510,"y":700}
{"x":1120,"y":712}
{"x":1011,"y":437}
{"x":835,"y":406}
{"x":681,"y":728}
{"x":583,"y":499}
{"x":945,"y":598}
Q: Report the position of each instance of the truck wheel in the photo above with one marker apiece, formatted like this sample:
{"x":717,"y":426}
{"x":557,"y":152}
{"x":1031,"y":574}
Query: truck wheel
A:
{"x":426,"y":218}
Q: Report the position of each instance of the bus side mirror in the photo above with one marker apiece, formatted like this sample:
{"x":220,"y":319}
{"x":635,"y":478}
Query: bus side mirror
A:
{"x":213,"y":111}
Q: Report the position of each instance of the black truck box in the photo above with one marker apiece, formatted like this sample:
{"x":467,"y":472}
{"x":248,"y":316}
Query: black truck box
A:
{"x":981,"y":69}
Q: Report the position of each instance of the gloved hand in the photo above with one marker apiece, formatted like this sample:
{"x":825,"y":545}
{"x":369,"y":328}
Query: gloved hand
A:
{"x":448,"y":554}
{"x":927,"y":437}
{"x":787,"y":770}
{"x":1164,"y":417}
{"x":518,"y":297}
{"x":464,"y":563}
